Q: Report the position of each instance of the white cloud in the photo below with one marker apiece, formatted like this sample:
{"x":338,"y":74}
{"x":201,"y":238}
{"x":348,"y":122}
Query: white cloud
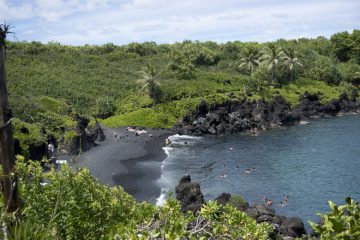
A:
{"x":53,"y":10}
{"x":11,"y":12}
{"x":96,"y":21}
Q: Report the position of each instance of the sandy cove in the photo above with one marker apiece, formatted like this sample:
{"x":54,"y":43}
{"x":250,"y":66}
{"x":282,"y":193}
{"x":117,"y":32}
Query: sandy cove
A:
{"x":133,"y":162}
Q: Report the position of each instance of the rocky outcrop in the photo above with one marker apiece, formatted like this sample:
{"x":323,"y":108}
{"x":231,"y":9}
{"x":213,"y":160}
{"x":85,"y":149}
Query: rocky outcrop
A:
{"x":243,"y":115}
{"x":225,"y":198}
{"x":191,"y":199}
{"x":189,"y":195}
{"x":85,"y":137}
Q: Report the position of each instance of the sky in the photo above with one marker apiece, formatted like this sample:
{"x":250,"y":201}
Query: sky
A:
{"x":79,"y":22}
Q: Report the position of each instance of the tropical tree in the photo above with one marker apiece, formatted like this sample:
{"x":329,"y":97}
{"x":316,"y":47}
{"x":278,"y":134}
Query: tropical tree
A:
{"x":341,"y":46}
{"x":271,"y":57}
{"x":357,"y":75}
{"x":181,"y":64}
{"x":290,"y":61}
{"x":7,"y":153}
{"x":249,"y":61}
{"x":150,"y":81}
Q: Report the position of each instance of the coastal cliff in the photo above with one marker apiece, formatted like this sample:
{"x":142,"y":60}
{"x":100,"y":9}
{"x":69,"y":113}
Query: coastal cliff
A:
{"x":256,"y":115}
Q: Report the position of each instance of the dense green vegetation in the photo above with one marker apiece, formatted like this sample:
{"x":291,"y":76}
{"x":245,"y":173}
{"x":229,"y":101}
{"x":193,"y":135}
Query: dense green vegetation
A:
{"x":152,"y":85}
{"x":343,"y":222}
{"x":70,"y":204}
{"x":48,"y":83}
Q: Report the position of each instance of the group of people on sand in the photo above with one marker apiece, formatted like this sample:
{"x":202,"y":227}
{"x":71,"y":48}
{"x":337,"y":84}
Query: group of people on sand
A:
{"x":130,"y":129}
{"x":268,"y":202}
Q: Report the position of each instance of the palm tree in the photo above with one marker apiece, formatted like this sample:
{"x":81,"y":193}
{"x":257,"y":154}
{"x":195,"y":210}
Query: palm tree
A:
{"x":7,"y":153}
{"x":291,"y":61}
{"x":250,"y":59}
{"x":150,"y":82}
{"x":271,"y":56}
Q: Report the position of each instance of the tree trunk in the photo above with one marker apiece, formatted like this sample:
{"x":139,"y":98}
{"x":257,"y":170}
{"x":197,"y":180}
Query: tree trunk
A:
{"x":7,"y":154}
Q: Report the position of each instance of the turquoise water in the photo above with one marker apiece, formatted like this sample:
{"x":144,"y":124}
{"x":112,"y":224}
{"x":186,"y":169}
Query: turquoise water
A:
{"x":310,"y":163}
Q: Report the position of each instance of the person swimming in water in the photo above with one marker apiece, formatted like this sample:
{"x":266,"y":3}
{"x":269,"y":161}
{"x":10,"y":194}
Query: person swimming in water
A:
{"x":247,"y":171}
{"x":223,"y":175}
{"x":286,"y":199}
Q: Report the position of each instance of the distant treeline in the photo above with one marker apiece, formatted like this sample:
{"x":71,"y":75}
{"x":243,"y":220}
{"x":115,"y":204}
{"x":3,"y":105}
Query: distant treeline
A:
{"x":48,"y":83}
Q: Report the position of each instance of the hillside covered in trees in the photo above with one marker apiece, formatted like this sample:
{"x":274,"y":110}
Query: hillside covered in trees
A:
{"x":150,"y":85}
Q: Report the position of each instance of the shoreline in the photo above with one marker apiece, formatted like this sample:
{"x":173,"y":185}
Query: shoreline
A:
{"x":138,"y":168}
{"x":132,"y":162}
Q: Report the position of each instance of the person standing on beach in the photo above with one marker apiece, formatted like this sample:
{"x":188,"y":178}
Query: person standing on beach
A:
{"x":115,"y":136}
{"x":51,"y":150}
{"x":167,"y":142}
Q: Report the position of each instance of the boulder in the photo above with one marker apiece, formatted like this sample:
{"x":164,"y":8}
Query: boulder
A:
{"x":258,"y":210}
{"x":332,"y":107}
{"x":264,"y":218}
{"x":85,"y":137}
{"x":354,"y":95}
{"x":211,"y":130}
{"x":223,"y":199}
{"x":294,"y":227}
{"x":310,"y":97}
{"x":220,"y":128}
{"x":189,"y":195}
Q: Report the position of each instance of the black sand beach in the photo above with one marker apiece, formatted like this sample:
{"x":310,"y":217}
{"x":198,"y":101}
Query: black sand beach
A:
{"x":133,"y":162}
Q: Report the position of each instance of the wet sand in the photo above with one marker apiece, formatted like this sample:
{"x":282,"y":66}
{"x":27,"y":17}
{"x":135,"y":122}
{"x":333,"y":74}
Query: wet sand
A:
{"x":133,"y":162}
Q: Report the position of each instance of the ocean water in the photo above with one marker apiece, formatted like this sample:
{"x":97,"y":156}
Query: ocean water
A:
{"x":311,"y":163}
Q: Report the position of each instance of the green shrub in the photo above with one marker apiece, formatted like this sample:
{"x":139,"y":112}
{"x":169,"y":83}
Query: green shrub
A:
{"x":27,"y":134}
{"x":25,"y":229}
{"x":348,"y":70}
{"x":341,"y":223}
{"x":72,"y":205}
{"x":105,"y":107}
{"x":237,"y":201}
{"x":324,"y":69}
{"x":69,"y":135}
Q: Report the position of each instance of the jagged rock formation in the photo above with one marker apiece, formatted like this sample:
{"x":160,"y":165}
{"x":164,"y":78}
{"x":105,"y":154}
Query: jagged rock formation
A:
{"x":85,"y":137}
{"x":287,"y":227}
{"x":244,"y":115}
{"x":189,"y":195}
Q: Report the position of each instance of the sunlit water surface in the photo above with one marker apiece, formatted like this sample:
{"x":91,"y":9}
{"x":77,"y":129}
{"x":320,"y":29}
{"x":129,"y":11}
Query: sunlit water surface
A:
{"x":310,"y":163}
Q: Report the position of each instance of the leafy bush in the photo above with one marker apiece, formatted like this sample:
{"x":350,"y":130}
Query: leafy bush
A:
{"x":324,"y":69}
{"x":27,"y":135}
{"x":237,"y":201}
{"x":348,"y":70}
{"x":142,"y":49}
{"x":342,"y":222}
{"x":105,"y":107}
{"x":25,"y":229}
{"x":72,"y":205}
{"x":69,"y":135}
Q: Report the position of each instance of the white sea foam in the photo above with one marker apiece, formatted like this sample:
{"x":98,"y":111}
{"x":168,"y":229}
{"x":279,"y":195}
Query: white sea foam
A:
{"x":164,"y":181}
{"x":177,"y":136}
{"x":162,"y":198}
{"x":302,"y":122}
{"x":167,"y":150}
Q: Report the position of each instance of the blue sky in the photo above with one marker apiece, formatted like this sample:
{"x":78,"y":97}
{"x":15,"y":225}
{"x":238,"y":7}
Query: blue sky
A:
{"x":79,"y":22}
